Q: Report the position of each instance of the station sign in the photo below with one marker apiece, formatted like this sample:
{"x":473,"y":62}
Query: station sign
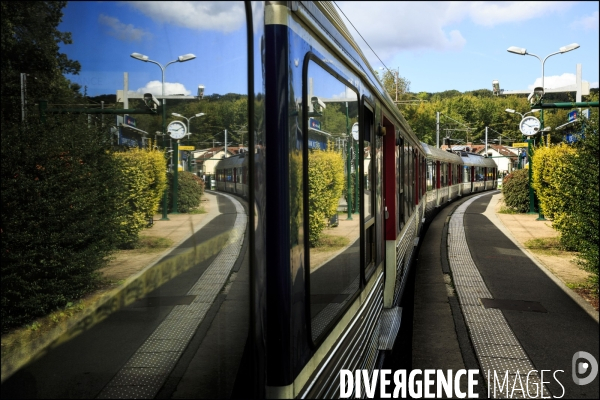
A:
{"x":572,"y":116}
{"x":187,"y":147}
{"x":130,"y":121}
{"x":314,"y":123}
{"x":520,"y":144}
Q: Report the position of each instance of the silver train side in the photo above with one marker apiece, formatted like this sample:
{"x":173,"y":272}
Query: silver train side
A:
{"x":310,"y":320}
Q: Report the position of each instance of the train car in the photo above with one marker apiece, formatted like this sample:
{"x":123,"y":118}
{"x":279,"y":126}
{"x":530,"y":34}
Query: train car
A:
{"x":478,"y":172}
{"x":231,"y":175}
{"x":313,"y":317}
{"x":342,"y":313}
{"x":442,"y":177}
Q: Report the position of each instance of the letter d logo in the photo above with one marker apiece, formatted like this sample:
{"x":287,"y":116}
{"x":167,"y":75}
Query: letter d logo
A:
{"x":583,"y":367}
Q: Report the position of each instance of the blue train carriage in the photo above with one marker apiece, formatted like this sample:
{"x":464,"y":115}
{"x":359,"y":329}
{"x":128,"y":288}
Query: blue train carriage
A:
{"x":231,"y":174}
{"x":326,"y":314}
{"x":479,"y":173}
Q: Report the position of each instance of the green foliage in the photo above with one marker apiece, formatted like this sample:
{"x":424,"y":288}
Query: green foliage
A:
{"x":31,"y":44}
{"x":190,"y":189}
{"x":566,"y":182}
{"x":394,"y":84}
{"x":325,"y":182}
{"x":59,"y":215}
{"x":515,"y":188}
{"x":142,"y":183}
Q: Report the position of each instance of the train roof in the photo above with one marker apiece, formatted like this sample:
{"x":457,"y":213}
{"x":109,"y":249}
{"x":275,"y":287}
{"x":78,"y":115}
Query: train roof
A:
{"x":441,"y":155}
{"x":232,"y":162}
{"x":476,"y":160}
{"x":333,"y":29}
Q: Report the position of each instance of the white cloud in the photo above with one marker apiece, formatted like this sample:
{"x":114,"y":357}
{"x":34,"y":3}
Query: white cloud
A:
{"x":556,"y":81}
{"x":594,"y":85}
{"x":221,"y":16}
{"x":428,"y":25}
{"x":123,"y":31}
{"x":589,"y":23}
{"x":155,"y":87}
{"x":488,"y":13}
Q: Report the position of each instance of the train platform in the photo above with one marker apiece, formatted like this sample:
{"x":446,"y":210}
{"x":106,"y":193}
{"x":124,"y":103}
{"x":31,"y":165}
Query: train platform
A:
{"x":483,"y":301}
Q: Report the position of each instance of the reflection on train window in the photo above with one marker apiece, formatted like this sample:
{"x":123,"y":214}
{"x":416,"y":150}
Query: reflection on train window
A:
{"x":334,"y":248}
{"x":430,"y":175}
{"x":466,"y":174}
{"x":369,"y":161}
{"x":400,"y":178}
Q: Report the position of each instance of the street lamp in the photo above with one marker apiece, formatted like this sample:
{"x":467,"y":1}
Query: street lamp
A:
{"x":189,"y":132}
{"x":523,"y":52}
{"x":510,"y":110}
{"x":183,"y":58}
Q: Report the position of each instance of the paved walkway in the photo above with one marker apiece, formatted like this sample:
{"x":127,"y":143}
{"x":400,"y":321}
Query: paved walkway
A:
{"x":488,"y":303}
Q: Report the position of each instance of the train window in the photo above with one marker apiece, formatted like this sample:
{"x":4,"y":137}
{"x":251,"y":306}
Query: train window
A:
{"x":369,"y":161}
{"x":401,"y":180}
{"x":334,"y":246}
{"x":466,"y":174}
{"x":430,"y":175}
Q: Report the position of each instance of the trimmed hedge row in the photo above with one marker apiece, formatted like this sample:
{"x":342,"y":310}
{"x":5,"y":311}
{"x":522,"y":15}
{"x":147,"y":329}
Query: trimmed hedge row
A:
{"x":142,"y":182}
{"x":326,"y":183}
{"x":566,"y":182}
{"x":68,"y":202}
{"x":515,"y":188}
{"x":190,"y":190}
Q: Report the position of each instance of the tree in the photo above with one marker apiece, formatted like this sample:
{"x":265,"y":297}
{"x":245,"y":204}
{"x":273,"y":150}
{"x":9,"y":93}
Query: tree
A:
{"x":395,"y":84}
{"x":31,"y":44}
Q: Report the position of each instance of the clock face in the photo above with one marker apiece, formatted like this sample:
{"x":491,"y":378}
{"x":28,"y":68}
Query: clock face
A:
{"x":529,"y":126}
{"x":355,"y":131}
{"x":177,"y":129}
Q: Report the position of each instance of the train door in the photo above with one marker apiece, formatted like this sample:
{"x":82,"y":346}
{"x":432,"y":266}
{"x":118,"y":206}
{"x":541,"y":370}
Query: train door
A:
{"x":438,"y":182}
{"x":390,"y":181}
{"x":401,"y":180}
{"x":391,"y":190}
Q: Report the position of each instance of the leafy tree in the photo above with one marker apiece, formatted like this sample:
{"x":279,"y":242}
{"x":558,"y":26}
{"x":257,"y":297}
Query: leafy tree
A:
{"x":394,"y":84}
{"x":31,"y":44}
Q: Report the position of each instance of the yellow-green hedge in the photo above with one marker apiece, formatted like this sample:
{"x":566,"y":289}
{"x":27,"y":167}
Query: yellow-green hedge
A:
{"x":565,"y":178}
{"x":325,"y":182}
{"x":143,"y":181}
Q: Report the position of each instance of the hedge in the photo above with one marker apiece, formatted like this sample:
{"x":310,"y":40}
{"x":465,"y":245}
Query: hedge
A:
{"x":566,"y":182}
{"x":325,"y":183}
{"x":515,"y":188}
{"x":59,"y":214}
{"x":141,"y":186}
{"x":190,"y":190}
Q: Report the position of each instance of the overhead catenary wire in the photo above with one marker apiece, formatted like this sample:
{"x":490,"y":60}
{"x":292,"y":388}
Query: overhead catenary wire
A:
{"x":361,"y":36}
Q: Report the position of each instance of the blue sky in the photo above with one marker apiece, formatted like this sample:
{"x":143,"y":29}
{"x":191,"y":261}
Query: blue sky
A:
{"x":462,"y":45}
{"x":437,"y":46}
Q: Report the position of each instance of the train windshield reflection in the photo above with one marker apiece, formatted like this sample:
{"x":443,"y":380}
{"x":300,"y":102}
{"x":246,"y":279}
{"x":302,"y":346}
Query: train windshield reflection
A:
{"x":163,"y":88}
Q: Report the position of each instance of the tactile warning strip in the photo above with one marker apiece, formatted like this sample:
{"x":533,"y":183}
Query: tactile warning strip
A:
{"x":500,"y":354}
{"x":146,"y":371}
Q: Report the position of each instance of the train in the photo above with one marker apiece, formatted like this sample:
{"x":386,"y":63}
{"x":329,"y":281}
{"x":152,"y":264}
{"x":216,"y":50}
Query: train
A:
{"x":312,"y":318}
{"x":272,"y":315}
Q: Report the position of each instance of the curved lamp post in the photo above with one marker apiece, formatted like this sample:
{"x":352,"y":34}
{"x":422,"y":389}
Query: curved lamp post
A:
{"x":523,"y":52}
{"x":183,"y":58}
